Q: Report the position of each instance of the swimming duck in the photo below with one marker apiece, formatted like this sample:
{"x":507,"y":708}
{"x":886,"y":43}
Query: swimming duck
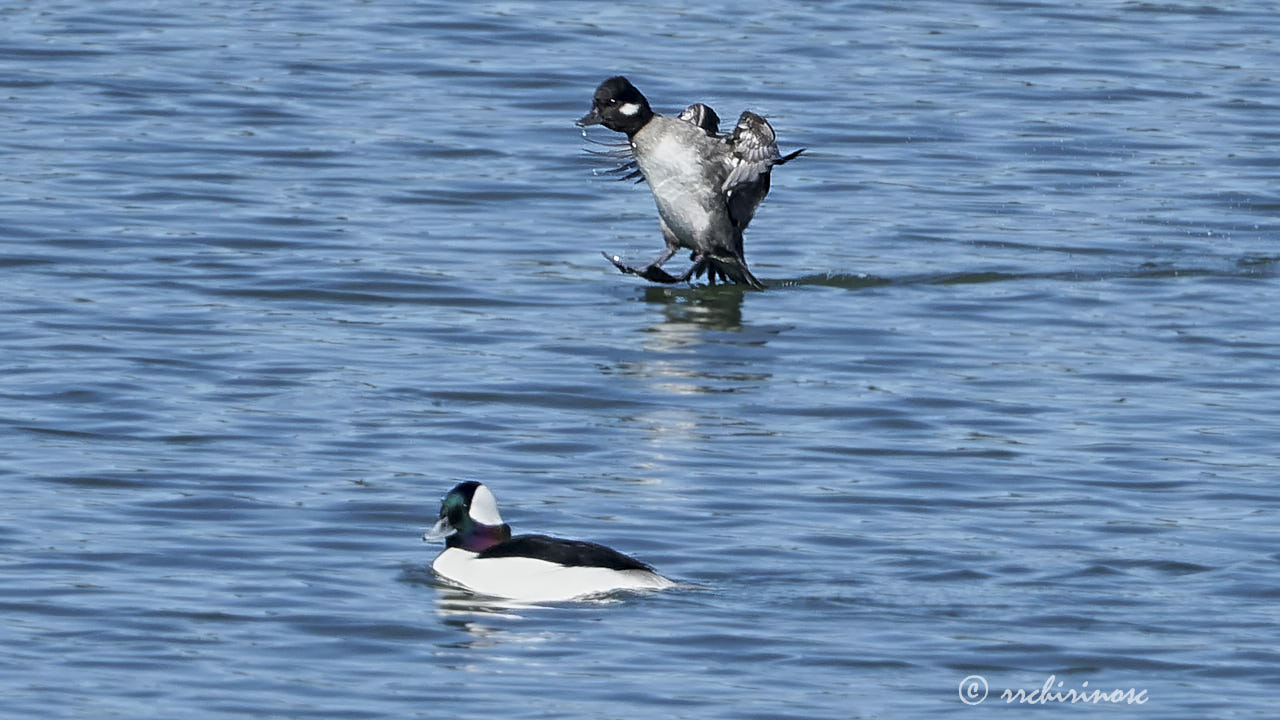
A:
{"x":483,"y":556}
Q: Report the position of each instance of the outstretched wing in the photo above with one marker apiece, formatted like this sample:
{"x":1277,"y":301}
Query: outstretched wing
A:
{"x":754,"y":154}
{"x":755,"y":148}
{"x":703,"y":116}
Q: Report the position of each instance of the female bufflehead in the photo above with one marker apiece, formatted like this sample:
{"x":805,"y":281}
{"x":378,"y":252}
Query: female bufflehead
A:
{"x":706,"y":187}
{"x":481,"y":555}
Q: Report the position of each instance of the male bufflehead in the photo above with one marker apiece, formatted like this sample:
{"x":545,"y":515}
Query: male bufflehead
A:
{"x":707,"y":187}
{"x":481,"y":555}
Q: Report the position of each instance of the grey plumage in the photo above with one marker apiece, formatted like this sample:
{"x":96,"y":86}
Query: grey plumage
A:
{"x":706,"y":186}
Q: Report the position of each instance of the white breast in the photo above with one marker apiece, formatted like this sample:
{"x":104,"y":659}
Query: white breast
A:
{"x":532,"y":580}
{"x":670,"y":154}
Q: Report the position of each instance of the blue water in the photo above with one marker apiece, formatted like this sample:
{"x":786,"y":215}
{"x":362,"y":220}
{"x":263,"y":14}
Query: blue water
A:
{"x":274,"y":277}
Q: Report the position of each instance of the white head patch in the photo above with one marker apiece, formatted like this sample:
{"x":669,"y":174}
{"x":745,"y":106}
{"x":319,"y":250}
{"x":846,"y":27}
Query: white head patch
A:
{"x":484,"y":507}
{"x":629,"y":109}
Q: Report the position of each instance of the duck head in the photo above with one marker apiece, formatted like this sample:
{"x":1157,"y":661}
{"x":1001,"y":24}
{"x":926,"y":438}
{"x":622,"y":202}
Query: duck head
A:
{"x":469,"y":519}
{"x":619,"y":106}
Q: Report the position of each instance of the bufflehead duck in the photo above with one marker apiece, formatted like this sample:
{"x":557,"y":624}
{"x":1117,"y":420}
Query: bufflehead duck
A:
{"x":481,"y":555}
{"x":707,"y":187}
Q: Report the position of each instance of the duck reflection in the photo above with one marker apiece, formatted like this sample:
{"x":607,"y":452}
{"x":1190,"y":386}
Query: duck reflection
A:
{"x":700,"y":345}
{"x":711,"y":307}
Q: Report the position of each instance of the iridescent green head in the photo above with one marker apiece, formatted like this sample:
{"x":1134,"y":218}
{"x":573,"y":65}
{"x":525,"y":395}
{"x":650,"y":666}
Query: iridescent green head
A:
{"x":469,"y":519}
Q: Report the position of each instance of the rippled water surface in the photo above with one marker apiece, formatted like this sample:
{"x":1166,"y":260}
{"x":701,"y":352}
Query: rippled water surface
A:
{"x":276,"y":276}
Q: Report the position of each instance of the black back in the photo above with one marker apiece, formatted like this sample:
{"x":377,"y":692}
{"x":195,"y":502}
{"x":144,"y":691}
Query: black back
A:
{"x":571,"y":553}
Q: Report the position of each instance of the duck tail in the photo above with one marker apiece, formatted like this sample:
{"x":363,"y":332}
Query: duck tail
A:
{"x":731,"y":268}
{"x":789,"y":156}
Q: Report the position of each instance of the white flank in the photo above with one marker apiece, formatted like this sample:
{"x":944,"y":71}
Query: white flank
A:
{"x":532,"y":580}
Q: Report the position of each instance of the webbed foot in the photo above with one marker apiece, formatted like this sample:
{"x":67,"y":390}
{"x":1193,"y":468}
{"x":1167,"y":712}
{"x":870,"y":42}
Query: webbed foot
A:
{"x":650,"y":272}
